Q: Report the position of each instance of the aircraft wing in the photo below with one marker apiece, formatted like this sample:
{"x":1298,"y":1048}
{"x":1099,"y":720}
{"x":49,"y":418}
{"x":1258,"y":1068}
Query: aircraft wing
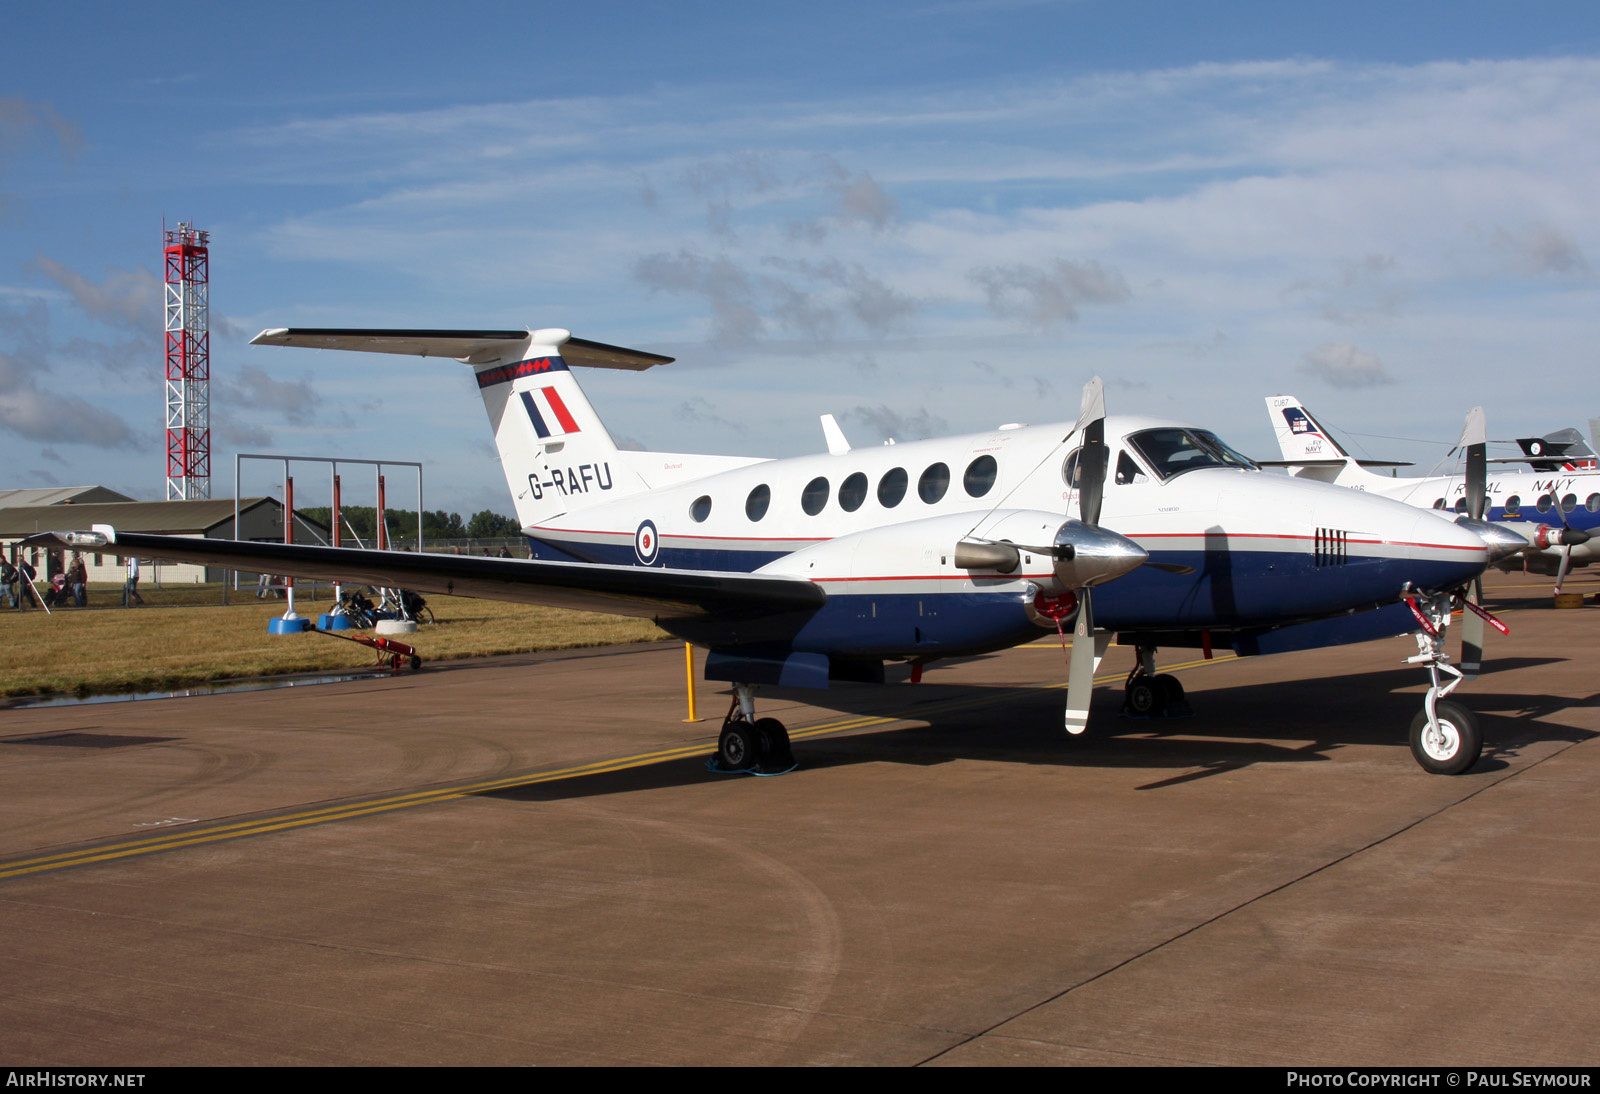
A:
{"x":641,"y":591}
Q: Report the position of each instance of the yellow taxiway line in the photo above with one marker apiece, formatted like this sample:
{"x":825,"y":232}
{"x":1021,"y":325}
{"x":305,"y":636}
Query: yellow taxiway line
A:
{"x":194,"y":837}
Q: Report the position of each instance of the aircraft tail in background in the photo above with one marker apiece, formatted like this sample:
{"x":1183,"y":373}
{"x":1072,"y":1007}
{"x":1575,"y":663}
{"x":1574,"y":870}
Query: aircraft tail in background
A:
{"x":1311,"y":452}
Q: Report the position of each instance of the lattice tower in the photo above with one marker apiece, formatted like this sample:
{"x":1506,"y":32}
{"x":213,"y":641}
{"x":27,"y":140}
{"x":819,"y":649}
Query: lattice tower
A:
{"x":188,"y":364}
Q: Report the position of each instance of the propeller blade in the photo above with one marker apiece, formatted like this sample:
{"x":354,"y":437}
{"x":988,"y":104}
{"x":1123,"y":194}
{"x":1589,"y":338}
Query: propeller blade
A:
{"x":1088,"y":647}
{"x":1474,"y":440}
{"x":1561,"y":572}
{"x":1169,"y":567}
{"x":1472,"y":633}
{"x":1092,"y":457}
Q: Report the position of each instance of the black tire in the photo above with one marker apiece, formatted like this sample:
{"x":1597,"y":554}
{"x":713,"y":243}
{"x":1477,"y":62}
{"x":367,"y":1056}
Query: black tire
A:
{"x":774,"y":741}
{"x":739,"y":747}
{"x":1145,"y":697}
{"x":1455,"y":748}
{"x":1177,"y":704}
{"x":416,"y":662}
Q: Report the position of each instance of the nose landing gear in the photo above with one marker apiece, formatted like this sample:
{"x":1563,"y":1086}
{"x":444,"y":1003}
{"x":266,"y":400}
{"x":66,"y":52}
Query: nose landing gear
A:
{"x":1445,"y":739}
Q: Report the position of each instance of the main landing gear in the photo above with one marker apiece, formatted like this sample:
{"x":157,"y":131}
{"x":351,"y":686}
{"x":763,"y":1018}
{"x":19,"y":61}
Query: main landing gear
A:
{"x":1150,"y":695}
{"x":1445,"y":739}
{"x":748,"y":743}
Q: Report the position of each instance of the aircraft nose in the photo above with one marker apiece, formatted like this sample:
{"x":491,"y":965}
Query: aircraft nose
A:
{"x":1443,"y":555}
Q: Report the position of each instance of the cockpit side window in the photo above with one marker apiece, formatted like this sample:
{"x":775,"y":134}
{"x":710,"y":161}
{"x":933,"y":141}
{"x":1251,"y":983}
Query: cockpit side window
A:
{"x":1172,"y":451}
{"x":1128,"y":471}
{"x":1224,"y":450}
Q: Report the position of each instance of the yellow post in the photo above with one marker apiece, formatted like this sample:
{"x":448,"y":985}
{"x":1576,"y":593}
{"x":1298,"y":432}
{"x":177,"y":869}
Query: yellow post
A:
{"x":688,"y":680}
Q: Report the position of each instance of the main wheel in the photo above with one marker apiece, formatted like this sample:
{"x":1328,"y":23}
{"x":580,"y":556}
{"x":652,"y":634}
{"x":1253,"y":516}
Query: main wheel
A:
{"x":1173,"y":685}
{"x":1451,"y":748}
{"x":1176,"y":706}
{"x":774,"y":741}
{"x":739,"y":747}
{"x":1145,"y":697}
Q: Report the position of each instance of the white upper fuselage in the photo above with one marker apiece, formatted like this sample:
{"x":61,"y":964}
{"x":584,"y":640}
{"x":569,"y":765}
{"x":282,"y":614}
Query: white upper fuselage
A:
{"x":840,"y":520}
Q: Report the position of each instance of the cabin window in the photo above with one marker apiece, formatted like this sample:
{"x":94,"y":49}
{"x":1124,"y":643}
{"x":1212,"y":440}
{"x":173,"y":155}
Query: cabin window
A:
{"x":1592,"y":503}
{"x":1438,"y":503}
{"x":1569,"y":503}
{"x":933,"y":483}
{"x":892,"y":487}
{"x":979,"y":479}
{"x":1128,"y":471}
{"x":700,"y":509}
{"x":1514,"y":505}
{"x":755,"y":506}
{"x":1544,"y":503}
{"x":814,"y":496}
{"x":852,"y":492}
{"x":1069,"y":469}
{"x":1461,"y":505}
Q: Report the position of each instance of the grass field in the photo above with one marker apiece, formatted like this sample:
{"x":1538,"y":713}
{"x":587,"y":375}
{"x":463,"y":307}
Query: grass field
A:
{"x":186,"y":636}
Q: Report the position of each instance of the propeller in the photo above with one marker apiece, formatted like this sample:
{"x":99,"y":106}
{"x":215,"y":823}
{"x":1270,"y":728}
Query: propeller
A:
{"x":1084,"y":555}
{"x":1474,"y":440}
{"x":1570,"y":537}
{"x":1096,"y":555}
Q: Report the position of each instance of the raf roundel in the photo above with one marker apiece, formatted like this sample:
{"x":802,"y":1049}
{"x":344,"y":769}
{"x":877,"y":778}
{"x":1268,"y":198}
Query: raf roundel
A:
{"x":647,"y":543}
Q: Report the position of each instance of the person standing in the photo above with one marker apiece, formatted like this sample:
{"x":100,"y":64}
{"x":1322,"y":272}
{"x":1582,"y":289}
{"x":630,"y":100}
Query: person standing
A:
{"x":130,"y":587}
{"x":27,"y":572}
{"x":78,"y":578}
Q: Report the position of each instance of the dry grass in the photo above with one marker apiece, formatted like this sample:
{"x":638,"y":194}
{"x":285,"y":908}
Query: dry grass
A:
{"x":91,"y":651}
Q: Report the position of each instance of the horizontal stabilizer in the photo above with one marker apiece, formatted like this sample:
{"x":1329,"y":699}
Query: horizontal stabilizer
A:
{"x":1337,"y":461}
{"x":639,"y":591}
{"x":463,"y":345}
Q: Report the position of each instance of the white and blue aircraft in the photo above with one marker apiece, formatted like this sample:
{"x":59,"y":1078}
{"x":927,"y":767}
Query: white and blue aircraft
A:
{"x":802,"y":571}
{"x":1556,"y":508}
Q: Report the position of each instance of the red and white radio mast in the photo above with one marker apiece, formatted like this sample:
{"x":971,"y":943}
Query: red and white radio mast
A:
{"x":188,"y":365}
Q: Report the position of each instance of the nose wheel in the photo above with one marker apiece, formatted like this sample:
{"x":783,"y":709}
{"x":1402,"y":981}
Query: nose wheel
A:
{"x":1449,"y":743}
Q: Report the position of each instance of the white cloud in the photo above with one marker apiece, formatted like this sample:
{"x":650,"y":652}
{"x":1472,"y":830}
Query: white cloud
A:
{"x":1048,"y":296}
{"x":1343,"y":364}
{"x":126,"y":298}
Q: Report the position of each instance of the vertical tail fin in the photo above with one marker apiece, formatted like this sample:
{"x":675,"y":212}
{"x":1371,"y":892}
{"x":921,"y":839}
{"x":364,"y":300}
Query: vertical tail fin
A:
{"x":1301,"y":437}
{"x":556,"y":453}
{"x":1310,"y":450}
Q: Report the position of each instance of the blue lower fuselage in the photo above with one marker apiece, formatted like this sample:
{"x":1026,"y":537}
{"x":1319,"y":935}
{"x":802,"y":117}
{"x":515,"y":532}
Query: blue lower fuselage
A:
{"x":1228,"y":590}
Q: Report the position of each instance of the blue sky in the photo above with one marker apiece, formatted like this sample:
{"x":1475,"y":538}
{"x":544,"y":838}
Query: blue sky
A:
{"x":921,"y":217}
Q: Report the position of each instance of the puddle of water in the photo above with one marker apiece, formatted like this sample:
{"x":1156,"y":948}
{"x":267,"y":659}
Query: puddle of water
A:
{"x":184,"y":693}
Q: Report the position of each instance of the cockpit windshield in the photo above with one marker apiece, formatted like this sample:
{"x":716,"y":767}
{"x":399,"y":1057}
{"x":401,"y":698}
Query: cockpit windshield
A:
{"x":1173,"y":451}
